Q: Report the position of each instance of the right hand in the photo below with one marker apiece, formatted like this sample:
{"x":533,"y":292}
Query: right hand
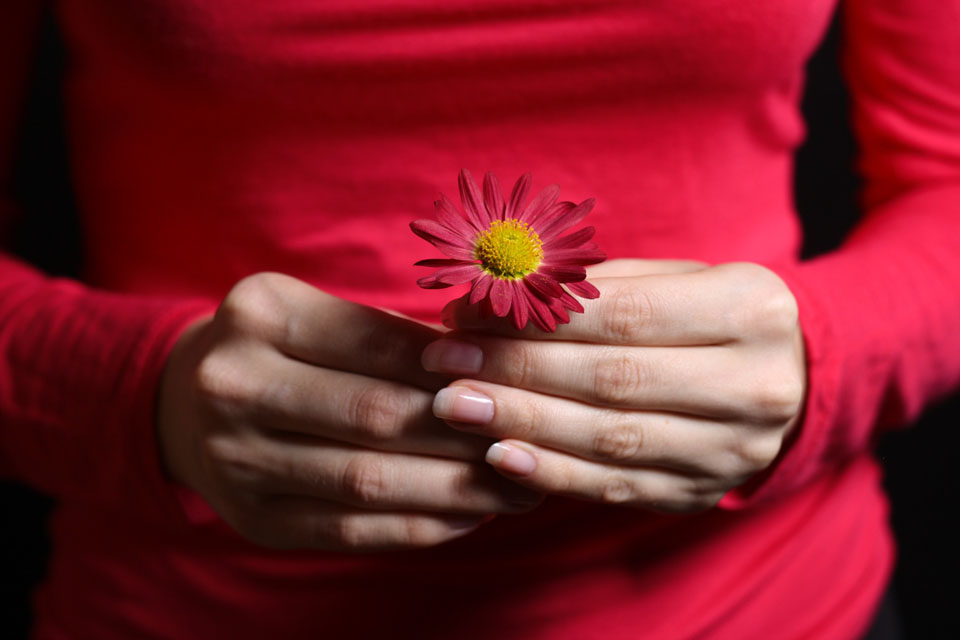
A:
{"x":305,"y":421}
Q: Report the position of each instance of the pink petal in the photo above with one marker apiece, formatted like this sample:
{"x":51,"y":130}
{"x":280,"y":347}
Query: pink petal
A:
{"x":458,"y":274}
{"x":575,"y":239}
{"x":546,"y":287}
{"x":577,"y":255}
{"x":521,"y":308}
{"x":500,"y":297}
{"x":443,"y":238}
{"x":540,"y":312}
{"x":518,"y":195}
{"x":584,"y":289}
{"x":437,"y":262}
{"x":561,"y":224}
{"x":481,"y":287}
{"x":556,"y":307}
{"x":448,"y":215}
{"x":431,"y":282}
{"x":493,"y":196}
{"x":539,"y":204}
{"x":472,"y":200}
{"x":569,"y":302}
{"x":554,"y":211}
{"x":563,"y":273}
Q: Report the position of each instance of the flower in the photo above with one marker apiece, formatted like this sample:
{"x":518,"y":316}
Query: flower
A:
{"x":514,"y":256}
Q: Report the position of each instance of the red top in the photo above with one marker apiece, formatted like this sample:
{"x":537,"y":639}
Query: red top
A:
{"x":211,"y":140}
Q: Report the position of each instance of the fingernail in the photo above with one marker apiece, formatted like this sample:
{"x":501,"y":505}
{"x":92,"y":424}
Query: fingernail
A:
{"x":511,"y":459}
{"x":463,"y":405}
{"x":452,"y":356}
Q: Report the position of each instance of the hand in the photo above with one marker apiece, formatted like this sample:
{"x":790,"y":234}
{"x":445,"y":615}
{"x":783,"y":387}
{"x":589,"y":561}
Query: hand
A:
{"x":304,"y":420}
{"x":678,"y":384}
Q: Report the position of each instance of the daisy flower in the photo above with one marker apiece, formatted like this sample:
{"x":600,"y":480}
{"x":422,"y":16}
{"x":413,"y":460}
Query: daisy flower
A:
{"x":512,"y":253}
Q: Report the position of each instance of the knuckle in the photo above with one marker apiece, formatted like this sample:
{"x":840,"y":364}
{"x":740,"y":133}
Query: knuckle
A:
{"x":630,"y":311}
{"x":618,"y":488}
{"x":523,"y":366}
{"x":617,"y":378}
{"x":757,"y":451}
{"x":619,"y":443}
{"x":347,"y":531}
{"x":417,"y":533}
{"x":252,"y":303}
{"x":365,"y":481}
{"x":377,"y":412}
{"x":777,"y":401}
{"x":382,"y":350}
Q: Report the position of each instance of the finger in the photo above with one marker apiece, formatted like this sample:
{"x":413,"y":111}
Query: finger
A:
{"x":557,"y":473}
{"x":295,"y":522}
{"x":315,"y":327}
{"x":384,"y":481}
{"x":626,"y":267}
{"x":695,"y":380}
{"x":288,"y":395}
{"x":349,"y":476}
{"x":679,"y":309}
{"x":629,"y":438}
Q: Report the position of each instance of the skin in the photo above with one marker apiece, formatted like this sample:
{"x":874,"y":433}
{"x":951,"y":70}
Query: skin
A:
{"x":305,"y":421}
{"x":679,"y":383}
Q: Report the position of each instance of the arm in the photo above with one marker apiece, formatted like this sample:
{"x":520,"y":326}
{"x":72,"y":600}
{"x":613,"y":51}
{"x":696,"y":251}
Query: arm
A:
{"x":677,"y":429}
{"x":77,"y":365}
{"x":880,"y":314}
{"x":300,"y":418}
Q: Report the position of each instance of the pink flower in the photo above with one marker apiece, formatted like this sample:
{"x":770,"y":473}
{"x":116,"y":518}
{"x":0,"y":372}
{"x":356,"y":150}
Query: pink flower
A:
{"x":514,"y":256}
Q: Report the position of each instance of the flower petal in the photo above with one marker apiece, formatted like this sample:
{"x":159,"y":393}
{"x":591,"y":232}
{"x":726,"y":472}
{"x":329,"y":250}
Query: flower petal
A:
{"x":500,"y":297}
{"x":575,"y":239}
{"x":493,"y":196}
{"x":431,"y":282}
{"x":579,"y":255}
{"x":458,"y":274}
{"x":481,"y":287}
{"x":557,"y":309}
{"x":448,"y":216}
{"x":553,"y":212}
{"x":518,"y":195}
{"x":438,"y":262}
{"x":584,"y":289}
{"x":561,"y":224}
{"x":563,"y":273}
{"x":569,"y":302}
{"x":443,"y":238}
{"x":521,"y":308}
{"x":543,"y":201}
{"x":540,"y":313}
{"x":546,"y":287}
{"x":472,"y":200}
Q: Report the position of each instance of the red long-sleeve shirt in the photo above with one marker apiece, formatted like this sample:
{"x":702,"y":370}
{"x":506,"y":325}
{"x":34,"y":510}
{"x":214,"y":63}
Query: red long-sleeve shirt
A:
{"x":211,"y":140}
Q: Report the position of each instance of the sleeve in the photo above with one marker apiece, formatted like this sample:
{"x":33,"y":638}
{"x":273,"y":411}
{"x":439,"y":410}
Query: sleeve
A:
{"x":78,"y":367}
{"x":881,"y":315}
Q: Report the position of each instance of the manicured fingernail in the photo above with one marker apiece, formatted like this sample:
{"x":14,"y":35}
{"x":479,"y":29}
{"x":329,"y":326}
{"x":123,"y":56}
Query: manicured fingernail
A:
{"x":463,"y":405}
{"x":452,"y":356}
{"x":511,"y":459}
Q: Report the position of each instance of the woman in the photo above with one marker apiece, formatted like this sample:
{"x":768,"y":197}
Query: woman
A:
{"x":300,"y":463}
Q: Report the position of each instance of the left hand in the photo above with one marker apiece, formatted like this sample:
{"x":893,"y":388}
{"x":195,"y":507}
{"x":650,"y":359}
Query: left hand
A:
{"x":678,"y":384}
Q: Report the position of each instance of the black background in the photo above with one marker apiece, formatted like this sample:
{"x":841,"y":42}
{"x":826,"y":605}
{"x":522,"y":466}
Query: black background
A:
{"x":919,"y":461}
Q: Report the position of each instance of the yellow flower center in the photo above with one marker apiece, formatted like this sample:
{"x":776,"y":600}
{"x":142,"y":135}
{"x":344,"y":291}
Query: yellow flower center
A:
{"x":509,"y":249}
